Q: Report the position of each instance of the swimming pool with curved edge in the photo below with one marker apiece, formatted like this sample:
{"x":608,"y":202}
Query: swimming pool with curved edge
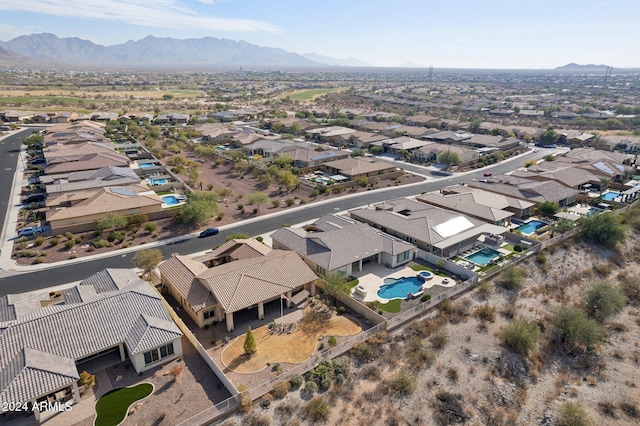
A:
{"x":398,"y":288}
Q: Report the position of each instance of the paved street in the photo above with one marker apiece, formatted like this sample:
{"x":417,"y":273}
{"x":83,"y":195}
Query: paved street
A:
{"x":49,"y":275}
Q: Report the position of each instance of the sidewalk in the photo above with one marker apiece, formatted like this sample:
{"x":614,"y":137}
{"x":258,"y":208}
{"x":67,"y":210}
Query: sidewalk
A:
{"x":9,"y":266}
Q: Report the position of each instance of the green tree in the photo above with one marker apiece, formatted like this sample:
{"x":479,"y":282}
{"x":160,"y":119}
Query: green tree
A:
{"x":257,"y":199}
{"x":283,"y":161}
{"x":110,"y":221}
{"x":335,"y":283}
{"x":573,"y":328}
{"x":238,"y":156}
{"x":147,"y":260}
{"x":295,"y":129}
{"x":288,"y":180}
{"x":548,"y":208}
{"x":200,"y":206}
{"x":450,"y":158}
{"x":375,"y":149}
{"x":605,"y":229}
{"x":357,"y":153}
{"x":549,"y":136}
{"x":249,"y":346}
{"x":602,"y":300}
{"x":521,"y":335}
{"x":561,"y":226}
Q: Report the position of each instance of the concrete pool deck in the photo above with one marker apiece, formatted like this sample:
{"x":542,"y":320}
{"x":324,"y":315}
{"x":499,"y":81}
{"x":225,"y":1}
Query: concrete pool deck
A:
{"x":371,"y":278}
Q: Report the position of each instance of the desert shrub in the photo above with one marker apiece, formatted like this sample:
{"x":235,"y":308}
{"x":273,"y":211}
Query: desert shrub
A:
{"x":220,"y":216}
{"x":245,"y":403}
{"x":452,"y":374}
{"x":87,"y":379}
{"x":425,"y":297}
{"x":402,"y":383}
{"x":68,"y":236}
{"x":39,"y":259}
{"x":371,"y":372}
{"x":100,"y":243}
{"x":332,"y":341}
{"x":518,"y":248}
{"x":363,"y":352}
{"x":325,"y":384}
{"x":255,"y":419}
{"x":54,"y":241}
{"x":485,"y":312}
{"x":311,"y":387}
{"x":296,"y":381}
{"x":572,"y":327}
{"x":602,"y":300}
{"x":418,"y":355}
{"x":448,"y":409}
{"x":150,"y":227}
{"x":266,"y":400}
{"x":605,"y":229}
{"x":484,"y":289}
{"x":607,"y":408}
{"x":317,"y":409}
{"x":26,"y":253}
{"x":572,"y":414}
{"x":136,"y":220}
{"x":79,"y":239}
{"x":439,"y":339}
{"x":541,"y":258}
{"x":281,"y":390}
{"x":39,"y":240}
{"x":69,"y":244}
{"x":521,"y":335}
{"x":513,"y":277}
{"x":631,"y":289}
{"x":630,"y":409}
{"x":117,"y":236}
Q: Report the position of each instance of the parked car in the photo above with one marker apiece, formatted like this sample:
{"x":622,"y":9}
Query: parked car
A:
{"x":208,"y":232}
{"x":38,"y":161}
{"x":29,"y":231}
{"x":488,"y":174}
{"x":35,"y":198}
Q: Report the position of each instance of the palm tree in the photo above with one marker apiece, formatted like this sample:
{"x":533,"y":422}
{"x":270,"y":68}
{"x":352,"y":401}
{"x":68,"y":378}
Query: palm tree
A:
{"x":604,"y":181}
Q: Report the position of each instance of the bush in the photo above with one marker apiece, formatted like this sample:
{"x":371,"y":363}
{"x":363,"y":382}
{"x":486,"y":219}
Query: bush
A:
{"x":39,"y":259}
{"x":485,"y":312}
{"x":311,"y":387}
{"x":402,"y":384}
{"x":69,"y":244}
{"x":54,"y":241}
{"x":39,"y":240}
{"x":572,"y":414}
{"x":602,"y":300}
{"x":117,"y":236}
{"x":631,"y":289}
{"x":425,"y":297}
{"x":220,"y":216}
{"x":518,"y":248}
{"x":68,"y":236}
{"x":521,"y":335}
{"x":317,"y":410}
{"x":513,"y":277}
{"x":150,"y":227}
{"x":296,"y":381}
{"x":100,"y":243}
{"x":572,"y":327}
{"x":541,"y":258}
{"x":281,"y":390}
{"x":605,"y":229}
{"x":332,"y":341}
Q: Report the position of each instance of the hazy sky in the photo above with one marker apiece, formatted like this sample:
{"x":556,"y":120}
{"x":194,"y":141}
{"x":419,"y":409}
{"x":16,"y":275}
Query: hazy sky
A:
{"x":442,"y":34}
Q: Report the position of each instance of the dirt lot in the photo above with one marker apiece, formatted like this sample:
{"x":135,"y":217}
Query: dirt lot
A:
{"x":463,"y":374}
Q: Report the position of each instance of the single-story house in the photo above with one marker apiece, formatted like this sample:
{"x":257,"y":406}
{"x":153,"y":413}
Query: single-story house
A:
{"x":482,"y":205}
{"x":78,"y":211}
{"x":86,"y":162}
{"x":172,"y":118}
{"x":529,"y":190}
{"x":431,"y":152}
{"x":358,"y":139}
{"x":402,"y":143}
{"x":335,"y":244}
{"x":48,"y":338}
{"x":430,"y":228}
{"x":244,"y":277}
{"x":330,"y":133}
{"x":91,"y":179}
{"x":215,"y":132}
{"x":355,"y":167}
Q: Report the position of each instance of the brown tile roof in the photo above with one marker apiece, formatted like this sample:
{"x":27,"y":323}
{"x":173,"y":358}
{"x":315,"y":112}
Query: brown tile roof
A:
{"x":181,"y":272}
{"x":236,"y":249}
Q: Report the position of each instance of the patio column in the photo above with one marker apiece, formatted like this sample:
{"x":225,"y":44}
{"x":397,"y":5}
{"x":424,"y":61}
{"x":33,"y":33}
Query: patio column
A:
{"x":379,"y":258}
{"x":260,"y":310}
{"x":122,"y":354}
{"x":360,"y":265}
{"x":75,"y":392}
{"x":289,"y":296}
{"x":229,"y":319}
{"x":312,"y":288}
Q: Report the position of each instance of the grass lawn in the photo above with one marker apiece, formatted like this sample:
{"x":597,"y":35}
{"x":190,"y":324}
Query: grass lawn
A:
{"x":293,"y":348}
{"x":307,"y":95}
{"x":392,"y":306}
{"x":112,"y":407}
{"x":418,"y":268}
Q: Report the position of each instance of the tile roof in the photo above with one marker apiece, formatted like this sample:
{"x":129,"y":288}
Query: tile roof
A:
{"x":181,"y":272}
{"x":40,"y":348}
{"x":358,"y":165}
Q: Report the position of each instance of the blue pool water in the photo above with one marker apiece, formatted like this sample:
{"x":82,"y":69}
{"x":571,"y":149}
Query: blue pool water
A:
{"x":398,"y":288}
{"x":146,"y":165}
{"x":170,"y":200}
{"x":483,"y":256}
{"x":594,"y":210}
{"x":531,"y":227}
{"x":609,"y":195}
{"x":158,"y":181}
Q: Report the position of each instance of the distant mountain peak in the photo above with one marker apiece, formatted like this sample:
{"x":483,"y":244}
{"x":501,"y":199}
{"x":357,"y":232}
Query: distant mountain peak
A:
{"x":587,"y":67}
{"x":351,"y":62}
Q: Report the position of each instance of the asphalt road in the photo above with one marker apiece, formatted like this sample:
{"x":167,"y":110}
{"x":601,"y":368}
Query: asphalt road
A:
{"x":31,"y":281}
{"x":9,"y":156}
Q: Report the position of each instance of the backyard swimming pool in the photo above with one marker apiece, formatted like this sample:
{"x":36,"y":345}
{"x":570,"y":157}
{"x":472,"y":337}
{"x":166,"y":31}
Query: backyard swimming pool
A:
{"x":170,"y":200}
{"x":483,"y":256}
{"x":158,"y":181}
{"x":609,"y":195}
{"x":399,"y":288}
{"x":146,"y":165}
{"x":531,"y":226}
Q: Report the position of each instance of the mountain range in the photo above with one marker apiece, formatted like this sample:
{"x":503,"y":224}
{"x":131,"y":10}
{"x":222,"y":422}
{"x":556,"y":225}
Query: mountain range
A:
{"x":578,"y":67}
{"x":153,"y":52}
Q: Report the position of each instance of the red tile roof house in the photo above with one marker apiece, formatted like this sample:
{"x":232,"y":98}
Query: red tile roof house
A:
{"x":247,"y":275}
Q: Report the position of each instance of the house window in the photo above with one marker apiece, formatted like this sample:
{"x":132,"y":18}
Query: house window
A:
{"x":403,"y":256}
{"x":209,"y":314}
{"x":134,"y":211}
{"x":158,"y":354}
